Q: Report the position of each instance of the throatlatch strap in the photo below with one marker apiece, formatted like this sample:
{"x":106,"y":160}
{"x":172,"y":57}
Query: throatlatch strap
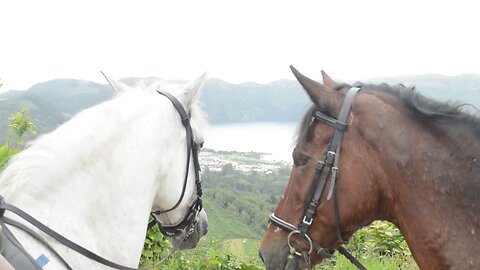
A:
{"x":351,"y":258}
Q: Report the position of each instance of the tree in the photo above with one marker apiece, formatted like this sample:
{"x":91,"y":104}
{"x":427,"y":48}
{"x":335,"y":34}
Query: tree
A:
{"x":227,"y":169}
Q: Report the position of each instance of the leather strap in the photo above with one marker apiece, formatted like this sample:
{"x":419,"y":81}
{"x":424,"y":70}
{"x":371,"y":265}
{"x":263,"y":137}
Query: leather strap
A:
{"x":189,"y":137}
{"x":4,"y":264}
{"x":14,"y":252}
{"x":351,"y":258}
{"x":65,"y":241}
{"x":342,"y":118}
{"x":326,"y":164}
{"x":192,"y":148}
{"x":318,"y":115}
{"x":37,"y":237}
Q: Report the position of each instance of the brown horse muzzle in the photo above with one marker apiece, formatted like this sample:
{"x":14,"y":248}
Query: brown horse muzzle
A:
{"x":279,"y":258}
{"x":274,"y":251}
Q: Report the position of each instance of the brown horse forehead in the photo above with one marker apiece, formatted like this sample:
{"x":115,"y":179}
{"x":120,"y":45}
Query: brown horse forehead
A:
{"x":307,"y":128}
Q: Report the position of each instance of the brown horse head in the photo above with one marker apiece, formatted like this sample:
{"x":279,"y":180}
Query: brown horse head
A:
{"x":405,"y":158}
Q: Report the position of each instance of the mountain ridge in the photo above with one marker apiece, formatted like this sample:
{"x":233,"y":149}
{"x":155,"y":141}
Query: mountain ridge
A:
{"x":53,"y":102}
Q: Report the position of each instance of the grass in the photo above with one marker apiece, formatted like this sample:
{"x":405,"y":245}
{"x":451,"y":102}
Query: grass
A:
{"x":373,"y":263}
{"x":250,"y":247}
{"x":225,"y":225}
{"x":247,"y":249}
{"x":235,"y":246}
{"x":241,"y":247}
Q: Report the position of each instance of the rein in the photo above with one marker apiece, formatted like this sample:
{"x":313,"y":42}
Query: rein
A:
{"x":187,"y":224}
{"x":327,"y":165}
{"x":66,"y":242}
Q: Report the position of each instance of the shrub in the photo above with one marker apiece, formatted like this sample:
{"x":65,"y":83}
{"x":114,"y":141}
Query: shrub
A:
{"x":20,"y":126}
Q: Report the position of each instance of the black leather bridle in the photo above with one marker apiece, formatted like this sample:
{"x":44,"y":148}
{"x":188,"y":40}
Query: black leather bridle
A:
{"x":187,"y":224}
{"x":327,"y":165}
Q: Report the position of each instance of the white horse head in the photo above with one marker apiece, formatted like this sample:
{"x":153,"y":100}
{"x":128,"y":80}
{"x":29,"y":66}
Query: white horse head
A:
{"x":96,"y":178}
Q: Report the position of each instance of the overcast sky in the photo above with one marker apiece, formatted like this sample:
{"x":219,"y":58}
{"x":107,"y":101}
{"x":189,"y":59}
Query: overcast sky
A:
{"x":236,"y":41}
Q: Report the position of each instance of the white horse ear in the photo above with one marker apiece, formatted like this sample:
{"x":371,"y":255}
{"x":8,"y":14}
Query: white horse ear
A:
{"x":116,"y":85}
{"x":191,"y":92}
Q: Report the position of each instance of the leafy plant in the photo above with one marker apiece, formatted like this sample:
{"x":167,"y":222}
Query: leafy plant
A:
{"x":20,"y":126}
{"x":381,"y":238}
{"x":209,"y":255}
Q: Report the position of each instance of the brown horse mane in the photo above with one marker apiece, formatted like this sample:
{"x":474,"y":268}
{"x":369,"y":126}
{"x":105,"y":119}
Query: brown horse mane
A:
{"x":422,"y":108}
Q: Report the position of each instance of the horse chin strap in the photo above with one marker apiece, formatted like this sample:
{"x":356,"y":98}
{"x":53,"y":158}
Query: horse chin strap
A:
{"x":327,"y":165}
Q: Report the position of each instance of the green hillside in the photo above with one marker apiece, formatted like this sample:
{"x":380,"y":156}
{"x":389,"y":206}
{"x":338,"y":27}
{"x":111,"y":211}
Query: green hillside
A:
{"x":239,"y":202}
{"x":55,"y":101}
{"x":52,"y":103}
{"x":225,"y":225}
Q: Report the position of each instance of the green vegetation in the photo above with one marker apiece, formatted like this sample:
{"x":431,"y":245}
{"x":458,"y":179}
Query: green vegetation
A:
{"x":52,"y":103}
{"x":381,"y":238}
{"x":371,"y":263}
{"x":20,"y":126}
{"x":280,"y":101}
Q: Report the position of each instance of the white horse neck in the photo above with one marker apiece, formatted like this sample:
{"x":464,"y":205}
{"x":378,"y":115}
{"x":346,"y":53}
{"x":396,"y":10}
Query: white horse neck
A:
{"x":94,"y":178}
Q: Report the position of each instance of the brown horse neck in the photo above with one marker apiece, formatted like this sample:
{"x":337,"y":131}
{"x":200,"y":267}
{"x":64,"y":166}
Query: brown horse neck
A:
{"x":432,"y":187}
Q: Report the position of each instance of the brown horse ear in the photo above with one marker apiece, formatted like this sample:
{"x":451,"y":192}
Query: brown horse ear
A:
{"x":323,"y":96}
{"x":327,"y":81}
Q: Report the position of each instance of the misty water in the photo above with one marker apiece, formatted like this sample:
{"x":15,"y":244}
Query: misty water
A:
{"x":277,"y":139}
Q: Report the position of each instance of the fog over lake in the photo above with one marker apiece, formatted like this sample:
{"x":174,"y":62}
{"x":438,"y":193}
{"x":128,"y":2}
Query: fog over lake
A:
{"x":274,"y":138}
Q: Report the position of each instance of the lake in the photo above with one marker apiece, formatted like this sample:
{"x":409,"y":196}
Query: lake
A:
{"x":277,"y":139}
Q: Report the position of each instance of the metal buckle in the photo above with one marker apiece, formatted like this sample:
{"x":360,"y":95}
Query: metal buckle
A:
{"x":320,"y":163}
{"x":307,"y":222}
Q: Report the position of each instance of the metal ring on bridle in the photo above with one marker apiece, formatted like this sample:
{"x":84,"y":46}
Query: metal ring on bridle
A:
{"x":305,"y":236}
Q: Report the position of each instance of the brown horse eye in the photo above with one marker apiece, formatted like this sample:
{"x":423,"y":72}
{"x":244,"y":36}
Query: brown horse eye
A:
{"x":301,"y":160}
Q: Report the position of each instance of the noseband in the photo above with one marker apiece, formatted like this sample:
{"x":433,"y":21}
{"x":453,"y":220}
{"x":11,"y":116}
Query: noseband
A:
{"x":188,"y":223}
{"x":327,"y":165}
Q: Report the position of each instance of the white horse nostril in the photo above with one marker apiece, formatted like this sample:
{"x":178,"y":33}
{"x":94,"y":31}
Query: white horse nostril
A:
{"x":203,"y":226}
